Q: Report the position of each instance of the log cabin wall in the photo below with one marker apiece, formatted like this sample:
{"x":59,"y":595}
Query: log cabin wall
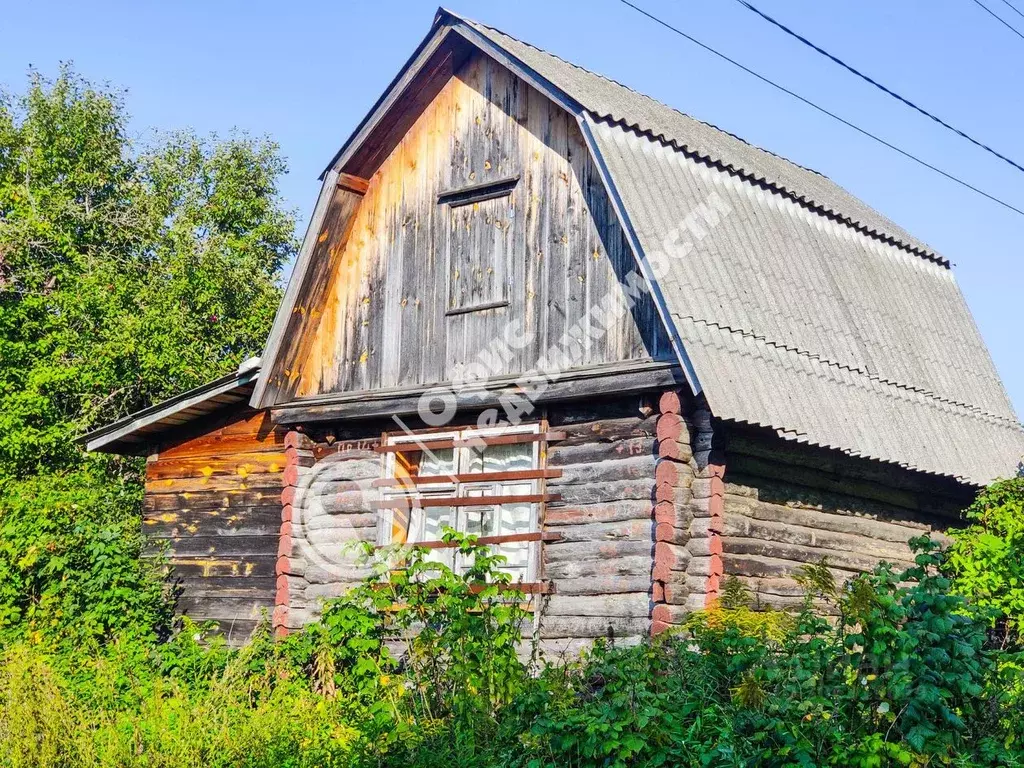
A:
{"x":786,"y":505}
{"x":214,"y":498}
{"x":424,"y":282}
{"x":598,"y":572}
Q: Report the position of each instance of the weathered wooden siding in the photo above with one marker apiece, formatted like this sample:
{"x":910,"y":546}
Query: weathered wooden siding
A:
{"x":383,"y":321}
{"x":214,"y":499}
{"x":787,"y":505}
{"x":659,"y":503}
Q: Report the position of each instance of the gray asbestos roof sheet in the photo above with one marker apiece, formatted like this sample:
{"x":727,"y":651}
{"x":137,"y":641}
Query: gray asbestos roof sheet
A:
{"x":795,"y":321}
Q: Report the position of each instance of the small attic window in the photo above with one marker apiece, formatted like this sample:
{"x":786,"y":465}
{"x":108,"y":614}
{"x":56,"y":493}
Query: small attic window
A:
{"x":480,"y":219}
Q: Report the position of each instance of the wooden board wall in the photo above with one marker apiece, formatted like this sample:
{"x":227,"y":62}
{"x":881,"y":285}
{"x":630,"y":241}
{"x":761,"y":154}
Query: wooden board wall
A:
{"x":382,"y":322}
{"x":214,"y":498}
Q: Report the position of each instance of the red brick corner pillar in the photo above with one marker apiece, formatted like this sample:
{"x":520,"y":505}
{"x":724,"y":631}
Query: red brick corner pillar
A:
{"x":297,"y":453}
{"x":688,"y":514}
{"x":672,"y":515}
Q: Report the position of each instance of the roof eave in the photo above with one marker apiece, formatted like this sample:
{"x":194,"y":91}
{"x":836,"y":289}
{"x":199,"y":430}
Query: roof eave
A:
{"x":112,"y":438}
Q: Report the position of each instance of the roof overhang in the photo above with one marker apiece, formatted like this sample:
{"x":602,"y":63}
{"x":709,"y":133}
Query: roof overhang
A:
{"x":135,"y":434}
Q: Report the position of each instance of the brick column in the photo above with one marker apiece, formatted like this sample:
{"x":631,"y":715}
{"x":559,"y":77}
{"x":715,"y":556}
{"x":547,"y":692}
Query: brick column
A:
{"x":688,"y":514}
{"x":708,"y":509}
{"x":298,"y":454}
{"x":672,"y":514}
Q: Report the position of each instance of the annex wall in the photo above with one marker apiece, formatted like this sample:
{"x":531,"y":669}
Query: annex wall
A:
{"x":213,"y":499}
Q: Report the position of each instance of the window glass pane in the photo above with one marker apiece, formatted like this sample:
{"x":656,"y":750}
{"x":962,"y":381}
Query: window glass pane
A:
{"x":501,"y":458}
{"x":517,"y":558}
{"x":437,"y":461}
{"x":435,"y":520}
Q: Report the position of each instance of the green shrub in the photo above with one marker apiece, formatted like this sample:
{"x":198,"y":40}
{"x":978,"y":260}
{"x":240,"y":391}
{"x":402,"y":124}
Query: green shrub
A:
{"x":986,"y":558}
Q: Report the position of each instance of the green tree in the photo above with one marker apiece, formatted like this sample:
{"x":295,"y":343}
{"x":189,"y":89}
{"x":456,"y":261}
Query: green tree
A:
{"x":127,"y":273}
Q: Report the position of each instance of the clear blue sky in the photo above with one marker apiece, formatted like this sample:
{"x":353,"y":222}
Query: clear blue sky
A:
{"x":305,"y":73}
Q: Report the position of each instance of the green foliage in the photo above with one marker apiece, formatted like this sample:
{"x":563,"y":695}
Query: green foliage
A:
{"x":986,"y":559}
{"x":126,"y":275}
{"x":898,"y":676}
{"x":420,"y":667}
{"x":423,"y":646}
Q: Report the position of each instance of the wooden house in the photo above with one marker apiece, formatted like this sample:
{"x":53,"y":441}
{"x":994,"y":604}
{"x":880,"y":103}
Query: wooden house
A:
{"x":633,"y":353}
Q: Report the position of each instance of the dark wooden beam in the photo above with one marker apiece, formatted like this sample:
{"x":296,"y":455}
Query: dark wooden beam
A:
{"x":582,"y":383}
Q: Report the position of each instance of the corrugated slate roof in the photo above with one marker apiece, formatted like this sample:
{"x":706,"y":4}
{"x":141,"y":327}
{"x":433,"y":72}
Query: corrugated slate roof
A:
{"x":801,"y":308}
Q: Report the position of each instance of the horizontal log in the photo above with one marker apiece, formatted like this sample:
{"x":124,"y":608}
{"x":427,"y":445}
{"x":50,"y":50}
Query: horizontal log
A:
{"x":628,"y":530}
{"x":240,"y":464}
{"x":591,"y":626}
{"x":626,"y":605}
{"x":229,"y":547}
{"x":340,"y":520}
{"x":158,"y":530}
{"x":214,"y":444}
{"x":593,"y":550}
{"x":237,"y":517}
{"x":738,"y":525}
{"x":203,"y":607}
{"x":190,"y":568}
{"x":604,"y":492}
{"x":607,"y":430}
{"x":800,"y":554}
{"x":603,"y":585}
{"x":839,"y":521}
{"x":255,"y":587}
{"x":635,"y":468}
{"x":611,"y":512}
{"x":322,"y":537}
{"x":262,"y":482}
{"x":614,"y":567}
{"x":563,"y":454}
{"x":206,"y":500}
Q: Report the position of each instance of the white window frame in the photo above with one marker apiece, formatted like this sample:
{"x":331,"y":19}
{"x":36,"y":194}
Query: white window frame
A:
{"x":462,"y":456}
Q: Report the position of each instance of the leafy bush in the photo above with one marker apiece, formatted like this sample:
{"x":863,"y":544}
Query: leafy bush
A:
{"x":987,"y":558}
{"x":419,"y":666}
{"x":127,"y":273}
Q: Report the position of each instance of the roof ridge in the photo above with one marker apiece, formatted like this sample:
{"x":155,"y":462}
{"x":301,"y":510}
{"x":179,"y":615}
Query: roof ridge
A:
{"x":933,"y":397}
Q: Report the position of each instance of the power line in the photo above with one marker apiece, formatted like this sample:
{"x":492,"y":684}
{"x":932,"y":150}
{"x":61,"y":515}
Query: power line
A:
{"x":1013,"y":8}
{"x":824,"y":111}
{"x":878,"y":85}
{"x":999,"y":18}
